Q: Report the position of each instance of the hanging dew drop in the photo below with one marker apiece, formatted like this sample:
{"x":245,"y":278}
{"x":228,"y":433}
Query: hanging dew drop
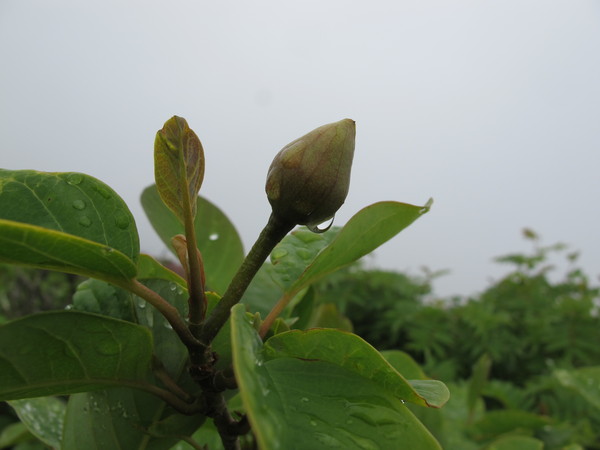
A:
{"x":322,"y":227}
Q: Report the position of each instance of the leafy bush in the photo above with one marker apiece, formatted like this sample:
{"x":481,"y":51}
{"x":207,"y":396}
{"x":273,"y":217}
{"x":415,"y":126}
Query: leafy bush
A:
{"x":144,"y":358}
{"x":520,"y":358}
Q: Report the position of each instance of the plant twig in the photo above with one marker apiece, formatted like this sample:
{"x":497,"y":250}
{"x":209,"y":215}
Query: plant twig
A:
{"x":160,"y":372}
{"x":195,"y":276}
{"x":187,"y":408}
{"x":272,"y":233}
{"x":275,"y":312}
{"x":166,"y":309}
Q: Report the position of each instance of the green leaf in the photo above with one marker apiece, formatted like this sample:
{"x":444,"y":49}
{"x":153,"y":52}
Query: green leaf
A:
{"x":585,"y":381}
{"x":404,"y":364}
{"x":47,"y":249}
{"x":327,"y":315}
{"x":122,"y":418}
{"x":72,"y":203}
{"x":148,"y":267}
{"x":167,"y":346}
{"x":328,"y":405}
{"x":68,"y":222}
{"x":178,"y":166}
{"x":100,"y":297}
{"x":495,"y":423}
{"x":288,"y":260}
{"x":351,"y":352}
{"x":127,"y":418}
{"x":13,"y":434}
{"x":63,"y":352}
{"x":43,"y":416}
{"x":218,"y":240}
{"x":364,"y":232}
{"x":296,"y":252}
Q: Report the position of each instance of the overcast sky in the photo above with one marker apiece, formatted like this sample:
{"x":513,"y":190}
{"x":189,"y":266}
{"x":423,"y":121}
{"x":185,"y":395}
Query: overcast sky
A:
{"x":490,"y":107}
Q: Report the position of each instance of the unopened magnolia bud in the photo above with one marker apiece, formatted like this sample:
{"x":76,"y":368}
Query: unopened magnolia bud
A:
{"x":309,"y":178}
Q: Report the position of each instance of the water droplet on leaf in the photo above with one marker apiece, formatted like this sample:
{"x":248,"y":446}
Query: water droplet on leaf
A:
{"x":304,"y":253}
{"x":213,"y":236}
{"x":78,"y":204}
{"x":121,"y":220}
{"x":85,"y":221}
{"x":103,"y":192}
{"x":75,"y":178}
{"x":279,"y":253}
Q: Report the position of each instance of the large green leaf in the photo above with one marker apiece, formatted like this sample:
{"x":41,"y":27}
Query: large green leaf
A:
{"x":123,"y":419}
{"x":95,"y":296}
{"x":178,"y":166}
{"x":148,"y":267}
{"x":296,"y":252}
{"x":405,"y":364}
{"x":287,"y":262}
{"x":351,"y":352}
{"x":128,"y":418}
{"x":47,"y":249}
{"x":328,"y":405}
{"x":364,"y":232}
{"x":63,"y":352}
{"x":218,"y":240}
{"x":71,"y":202}
{"x":303,"y":257}
{"x":99,"y":297}
{"x":43,"y":416}
{"x":69,"y":222}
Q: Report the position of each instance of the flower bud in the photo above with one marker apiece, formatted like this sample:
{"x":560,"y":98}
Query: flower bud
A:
{"x":309,"y":178}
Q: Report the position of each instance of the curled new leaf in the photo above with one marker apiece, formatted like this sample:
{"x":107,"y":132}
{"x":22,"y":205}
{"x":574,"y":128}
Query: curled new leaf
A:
{"x":178,"y":166}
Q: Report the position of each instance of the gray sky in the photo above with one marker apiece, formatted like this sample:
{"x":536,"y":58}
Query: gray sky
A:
{"x":489,"y":107}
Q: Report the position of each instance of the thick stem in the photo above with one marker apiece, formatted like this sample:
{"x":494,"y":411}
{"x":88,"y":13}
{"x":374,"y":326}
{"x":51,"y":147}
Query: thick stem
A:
{"x":228,"y":428}
{"x":198,"y":406}
{"x":274,"y":231}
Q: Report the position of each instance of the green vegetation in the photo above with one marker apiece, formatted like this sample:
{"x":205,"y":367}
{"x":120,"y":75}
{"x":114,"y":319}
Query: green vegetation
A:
{"x":305,"y":350}
{"x":230,"y":354}
{"x":521,"y":358}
